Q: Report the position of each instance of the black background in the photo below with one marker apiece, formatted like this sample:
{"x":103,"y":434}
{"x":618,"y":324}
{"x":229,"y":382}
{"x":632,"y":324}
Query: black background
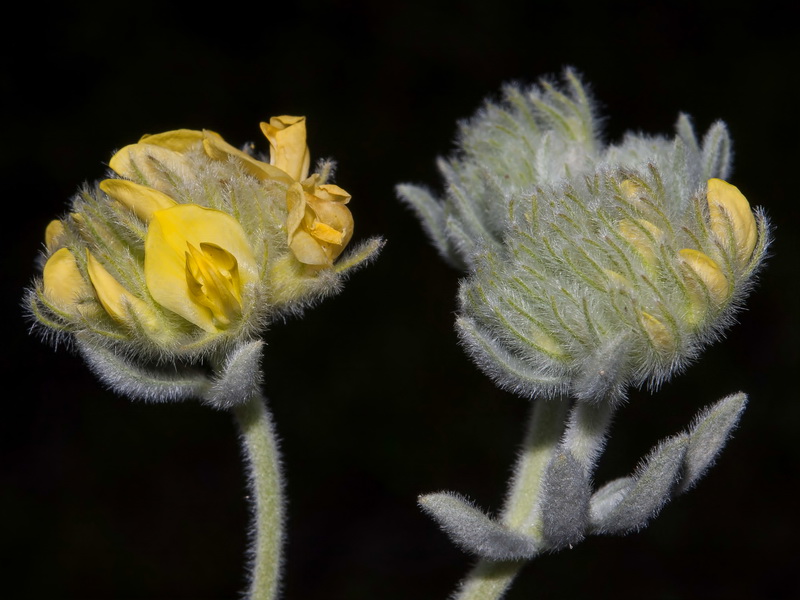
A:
{"x":374,"y":401}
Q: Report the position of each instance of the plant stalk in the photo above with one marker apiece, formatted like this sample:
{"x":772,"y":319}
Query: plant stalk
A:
{"x":260,"y":448}
{"x":489,"y":580}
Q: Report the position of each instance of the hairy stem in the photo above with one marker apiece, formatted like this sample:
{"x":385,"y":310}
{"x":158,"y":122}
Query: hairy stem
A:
{"x":490,"y":580}
{"x":541,"y":440}
{"x":587,"y":431}
{"x":264,"y":476}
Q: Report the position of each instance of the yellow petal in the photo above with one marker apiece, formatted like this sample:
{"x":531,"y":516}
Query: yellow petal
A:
{"x":212,"y":274}
{"x":332,"y":193}
{"x":709,"y":273}
{"x":115,"y":299}
{"x":153,"y":164}
{"x":710,"y":292}
{"x":326,"y":233}
{"x":732,"y":219}
{"x":335,"y":216}
{"x":308,"y":250}
{"x":659,"y":334}
{"x":169,"y":235}
{"x":319,"y":225}
{"x":328,"y":203}
{"x":63,"y":283}
{"x":218,"y":149}
{"x":630,"y":189}
{"x":143,"y":201}
{"x":296,"y":207}
{"x":643,"y":235}
{"x":52,"y":234}
{"x":179,"y":140}
{"x":617,"y":279}
{"x":287,"y":145}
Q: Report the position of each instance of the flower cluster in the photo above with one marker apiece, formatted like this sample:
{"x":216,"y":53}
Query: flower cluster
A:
{"x":192,"y":243}
{"x":590,"y":268}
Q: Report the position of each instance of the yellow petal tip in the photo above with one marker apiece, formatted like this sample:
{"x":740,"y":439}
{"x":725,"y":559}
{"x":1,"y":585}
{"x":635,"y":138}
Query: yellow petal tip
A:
{"x":731,"y":220}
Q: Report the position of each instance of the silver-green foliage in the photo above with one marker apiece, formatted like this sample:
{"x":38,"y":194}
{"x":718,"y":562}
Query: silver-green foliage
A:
{"x":567,"y":508}
{"x":589,"y":268}
{"x":537,"y":136}
{"x":576,"y":279}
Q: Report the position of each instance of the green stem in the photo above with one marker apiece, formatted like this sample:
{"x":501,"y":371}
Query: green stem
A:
{"x":541,"y":440}
{"x":587,"y":431}
{"x":490,"y":580}
{"x":264,"y":475}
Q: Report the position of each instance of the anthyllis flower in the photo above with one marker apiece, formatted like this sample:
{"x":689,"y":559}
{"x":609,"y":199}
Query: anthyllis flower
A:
{"x":590,"y":268}
{"x":192,"y":244}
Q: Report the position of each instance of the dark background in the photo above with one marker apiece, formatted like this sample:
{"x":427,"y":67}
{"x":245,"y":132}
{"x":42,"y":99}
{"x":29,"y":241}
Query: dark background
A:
{"x":374,"y":401}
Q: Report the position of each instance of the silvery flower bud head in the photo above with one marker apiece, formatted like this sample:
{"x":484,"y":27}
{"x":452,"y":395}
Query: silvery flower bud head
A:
{"x":192,"y":245}
{"x":591,"y":268}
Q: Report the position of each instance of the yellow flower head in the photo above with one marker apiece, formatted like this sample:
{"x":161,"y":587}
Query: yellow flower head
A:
{"x":195,"y":243}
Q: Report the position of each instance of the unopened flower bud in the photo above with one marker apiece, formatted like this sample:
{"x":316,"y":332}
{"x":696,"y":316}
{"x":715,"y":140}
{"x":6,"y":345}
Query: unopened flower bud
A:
{"x":143,"y":201}
{"x":732,"y":221}
{"x":615,"y":253}
{"x":643,"y":236}
{"x":53,"y":234}
{"x":117,"y":301}
{"x":658,"y":333}
{"x":63,"y":282}
{"x":153,"y":164}
{"x":708,"y":287}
